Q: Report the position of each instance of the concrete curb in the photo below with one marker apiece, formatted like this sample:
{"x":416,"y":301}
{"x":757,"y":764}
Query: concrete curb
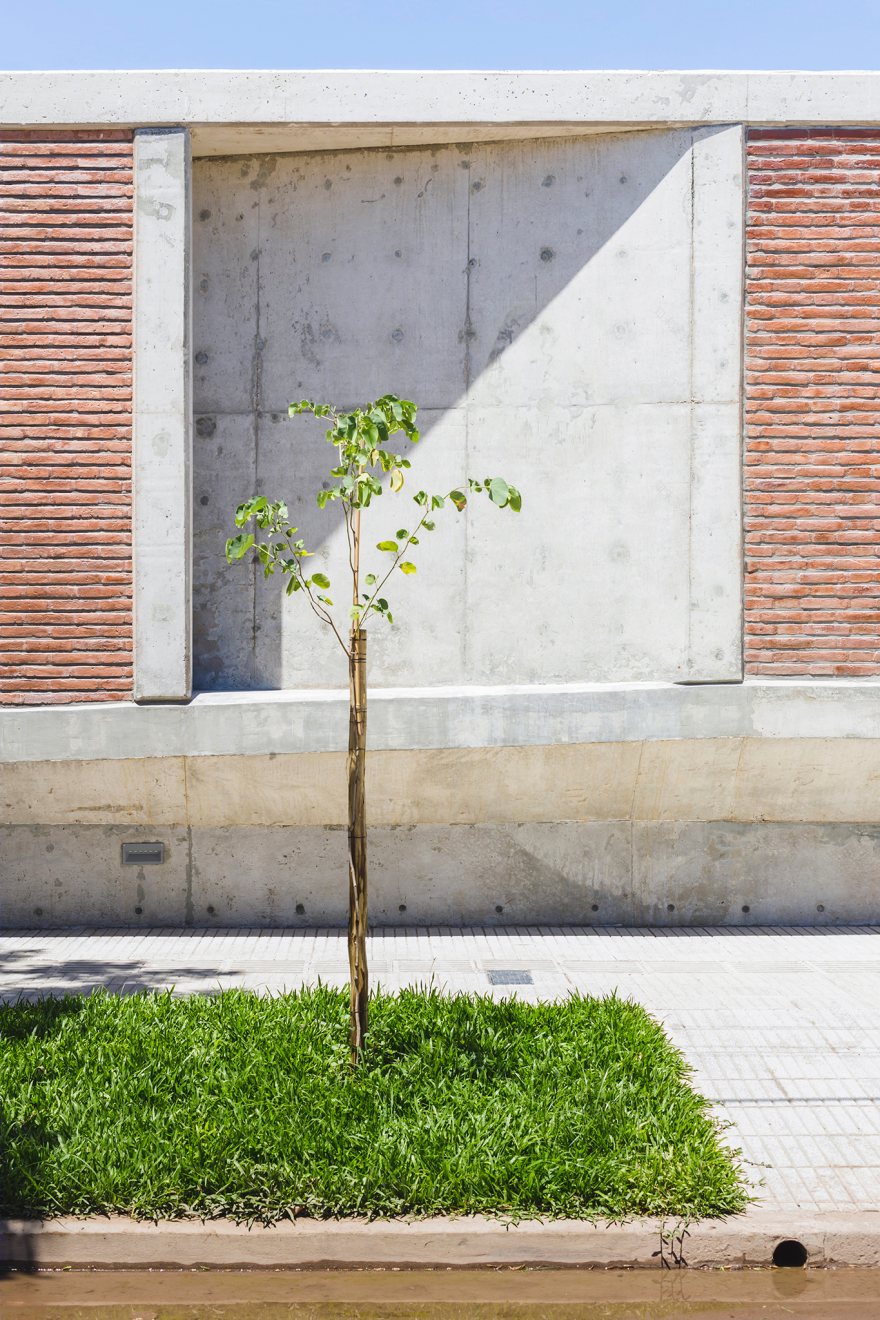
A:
{"x":836,"y":1238}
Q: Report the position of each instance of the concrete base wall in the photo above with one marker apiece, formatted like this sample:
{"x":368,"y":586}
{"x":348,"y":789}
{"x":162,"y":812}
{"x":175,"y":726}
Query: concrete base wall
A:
{"x":568,"y":872}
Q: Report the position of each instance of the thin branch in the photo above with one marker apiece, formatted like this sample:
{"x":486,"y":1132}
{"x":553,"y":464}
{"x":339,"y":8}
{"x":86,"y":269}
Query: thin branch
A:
{"x":398,"y":557}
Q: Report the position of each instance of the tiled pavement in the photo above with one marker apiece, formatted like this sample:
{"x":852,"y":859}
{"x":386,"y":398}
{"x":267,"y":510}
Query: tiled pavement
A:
{"x":781,"y":1024}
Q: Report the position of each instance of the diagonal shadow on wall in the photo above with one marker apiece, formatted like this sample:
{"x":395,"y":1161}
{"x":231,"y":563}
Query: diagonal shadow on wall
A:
{"x":483,"y":281}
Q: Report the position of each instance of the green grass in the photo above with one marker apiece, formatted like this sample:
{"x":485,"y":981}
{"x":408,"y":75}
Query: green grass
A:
{"x":241,"y":1105}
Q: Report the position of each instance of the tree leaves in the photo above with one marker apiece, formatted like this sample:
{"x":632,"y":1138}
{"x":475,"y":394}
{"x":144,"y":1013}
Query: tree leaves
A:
{"x":361,"y":437}
{"x":238,"y":546}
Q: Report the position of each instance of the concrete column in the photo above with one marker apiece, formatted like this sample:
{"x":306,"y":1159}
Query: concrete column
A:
{"x":162,"y":416}
{"x":715,"y":618}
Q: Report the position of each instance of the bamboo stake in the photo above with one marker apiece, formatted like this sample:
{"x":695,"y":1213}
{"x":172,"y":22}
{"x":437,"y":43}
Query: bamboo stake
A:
{"x":357,"y":842}
{"x":357,"y":816}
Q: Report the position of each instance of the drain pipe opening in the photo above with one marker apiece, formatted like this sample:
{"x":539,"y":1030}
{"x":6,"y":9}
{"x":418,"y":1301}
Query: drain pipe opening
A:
{"x":790,"y":1254}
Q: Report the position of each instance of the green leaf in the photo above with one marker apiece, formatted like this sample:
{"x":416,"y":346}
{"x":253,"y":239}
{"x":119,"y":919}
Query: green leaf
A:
{"x":292,"y":586}
{"x":248,"y":509}
{"x":437,"y":501}
{"x":238,"y":546}
{"x":370,"y":579}
{"x":320,"y":580}
{"x":408,"y":567}
{"x":428,"y":525}
{"x":421,"y":498}
{"x":396,"y":479}
{"x":263,"y":552}
{"x":322,"y":497}
{"x":515,"y":500}
{"x":413,"y":540}
{"x":499,"y":491}
{"x":388,"y":545}
{"x":458,"y":499}
{"x":382,"y":604}
{"x":326,"y":600}
{"x":402,"y":534}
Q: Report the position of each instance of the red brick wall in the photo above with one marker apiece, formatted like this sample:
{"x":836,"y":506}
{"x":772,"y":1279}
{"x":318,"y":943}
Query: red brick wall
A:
{"x":65,"y":416}
{"x":812,"y":448}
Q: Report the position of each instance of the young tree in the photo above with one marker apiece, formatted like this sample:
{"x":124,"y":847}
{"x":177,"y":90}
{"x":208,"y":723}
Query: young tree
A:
{"x":361,"y":437}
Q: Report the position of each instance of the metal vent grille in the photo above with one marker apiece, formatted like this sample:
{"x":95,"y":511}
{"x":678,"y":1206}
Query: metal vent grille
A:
{"x":501,"y":977}
{"x":143,"y":854}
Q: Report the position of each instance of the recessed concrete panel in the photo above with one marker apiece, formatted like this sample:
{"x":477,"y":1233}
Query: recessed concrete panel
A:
{"x":427,"y":638}
{"x":224,"y":621}
{"x":226,"y":241}
{"x":538,"y":301}
{"x":580,"y":285}
{"x":592,"y":577}
{"x":355,"y":249}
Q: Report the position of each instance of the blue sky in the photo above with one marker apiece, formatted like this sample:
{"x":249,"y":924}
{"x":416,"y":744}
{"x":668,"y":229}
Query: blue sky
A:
{"x":441,"y":34}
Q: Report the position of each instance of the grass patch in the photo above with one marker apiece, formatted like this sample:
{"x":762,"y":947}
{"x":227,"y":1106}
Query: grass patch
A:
{"x":241,"y":1105}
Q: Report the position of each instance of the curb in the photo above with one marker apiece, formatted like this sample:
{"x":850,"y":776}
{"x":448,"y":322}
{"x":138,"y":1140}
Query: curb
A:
{"x":849,"y":1238}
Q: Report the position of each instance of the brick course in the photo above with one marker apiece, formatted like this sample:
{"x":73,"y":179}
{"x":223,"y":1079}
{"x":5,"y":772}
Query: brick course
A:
{"x":812,"y":403}
{"x":65,"y":416}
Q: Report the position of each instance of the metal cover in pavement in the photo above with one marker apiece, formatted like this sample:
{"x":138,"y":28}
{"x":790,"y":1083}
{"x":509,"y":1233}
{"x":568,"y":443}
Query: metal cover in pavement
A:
{"x":500,"y":977}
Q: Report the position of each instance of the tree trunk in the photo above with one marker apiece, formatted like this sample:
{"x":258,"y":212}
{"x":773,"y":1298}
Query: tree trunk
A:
{"x":357,"y":840}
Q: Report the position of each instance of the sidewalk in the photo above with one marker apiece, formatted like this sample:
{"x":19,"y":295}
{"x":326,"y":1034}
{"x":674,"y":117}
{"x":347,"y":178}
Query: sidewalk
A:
{"x":780,"y":1024}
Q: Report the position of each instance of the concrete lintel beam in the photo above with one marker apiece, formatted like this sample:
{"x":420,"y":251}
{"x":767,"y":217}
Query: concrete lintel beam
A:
{"x":418,"y":98}
{"x":162,"y":416}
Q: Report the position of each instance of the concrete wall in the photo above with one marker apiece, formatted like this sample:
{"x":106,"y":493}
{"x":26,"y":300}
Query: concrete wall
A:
{"x":654,"y":804}
{"x":566,"y":313}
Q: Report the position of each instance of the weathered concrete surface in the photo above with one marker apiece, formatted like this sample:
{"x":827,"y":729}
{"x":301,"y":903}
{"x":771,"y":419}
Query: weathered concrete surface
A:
{"x":637,"y":873}
{"x":162,"y":413}
{"x":400,"y":719}
{"x":824,"y":780}
{"x":235,"y":110}
{"x":832,"y":1239}
{"x":536,"y":299}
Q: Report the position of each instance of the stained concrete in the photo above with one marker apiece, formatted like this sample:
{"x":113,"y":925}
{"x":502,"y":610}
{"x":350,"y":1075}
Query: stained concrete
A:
{"x":833,"y":1239}
{"x":539,"y":301}
{"x":801,"y":780}
{"x":615,"y":872}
